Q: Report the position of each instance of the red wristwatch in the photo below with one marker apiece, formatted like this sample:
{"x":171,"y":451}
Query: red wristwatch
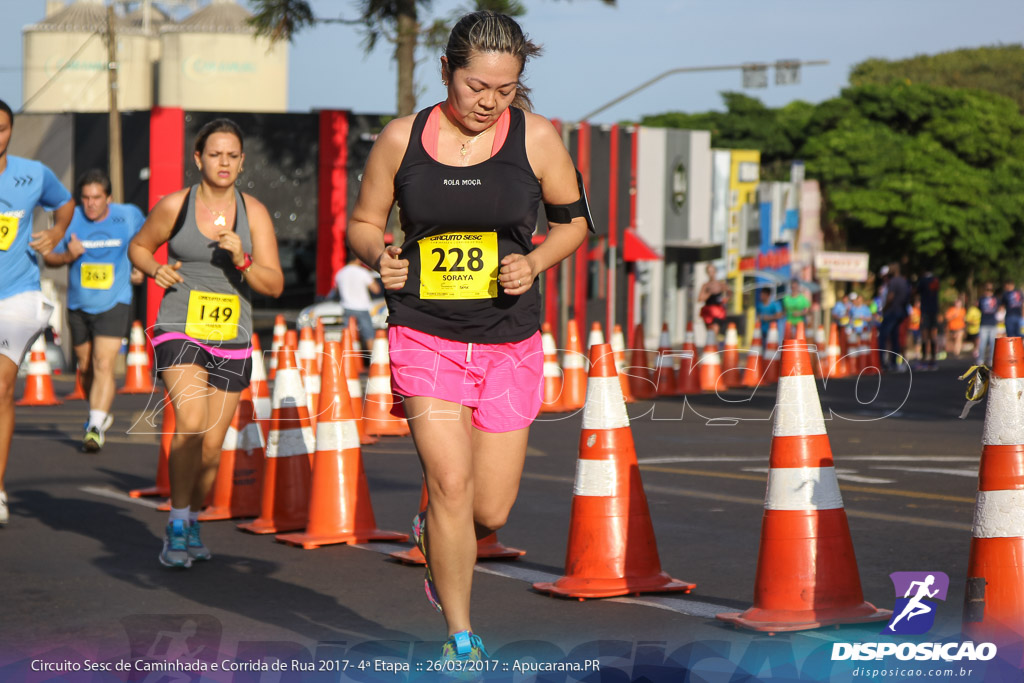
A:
{"x":246,"y":264}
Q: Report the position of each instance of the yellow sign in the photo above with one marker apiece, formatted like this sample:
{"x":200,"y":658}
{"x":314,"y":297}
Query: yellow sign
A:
{"x":212,"y":316}
{"x":97,"y":275}
{"x":8,"y":231}
{"x":459,"y":265}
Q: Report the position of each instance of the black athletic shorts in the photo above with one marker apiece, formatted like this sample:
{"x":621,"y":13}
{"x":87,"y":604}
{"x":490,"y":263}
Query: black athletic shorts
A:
{"x":113,"y":323}
{"x":226,"y":374}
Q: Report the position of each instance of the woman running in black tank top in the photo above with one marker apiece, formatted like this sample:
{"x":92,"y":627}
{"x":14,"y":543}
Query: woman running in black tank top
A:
{"x":461,"y":290}
{"x":227,"y":248}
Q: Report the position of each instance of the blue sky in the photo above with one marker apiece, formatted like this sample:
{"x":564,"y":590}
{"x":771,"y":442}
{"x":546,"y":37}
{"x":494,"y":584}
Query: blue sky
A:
{"x":593,"y":53}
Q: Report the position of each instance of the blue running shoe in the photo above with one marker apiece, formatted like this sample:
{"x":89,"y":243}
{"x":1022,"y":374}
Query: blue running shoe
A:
{"x":419,"y":535}
{"x":196,"y":549}
{"x":464,"y":646}
{"x":175,"y":552}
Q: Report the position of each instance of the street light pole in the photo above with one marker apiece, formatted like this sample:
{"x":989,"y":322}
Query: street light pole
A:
{"x":697,"y":69}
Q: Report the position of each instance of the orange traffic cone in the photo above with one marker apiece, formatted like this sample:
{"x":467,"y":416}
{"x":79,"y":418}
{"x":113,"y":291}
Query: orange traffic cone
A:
{"x":994,"y":604}
{"x":79,"y":392}
{"x":552,"y":396}
{"x":665,"y":373}
{"x":291,"y":341}
{"x":340,"y":510}
{"x":711,"y":365}
{"x":574,"y":372}
{"x":162,"y":487}
{"x":818,"y":352}
{"x":835,"y":362}
{"x":874,"y":362}
{"x":39,"y":384}
{"x":310,"y":374}
{"x":276,"y":342}
{"x":755,"y":368}
{"x":260,"y":388}
{"x":611,"y":549}
{"x":138,"y":377}
{"x":236,"y":490}
{"x":284,"y":498}
{"x":641,"y":381}
{"x":319,"y":337}
{"x":357,"y":346}
{"x":487,"y":548}
{"x":806,"y":570}
{"x":771,"y":354}
{"x":377,"y":415}
{"x":595,"y":337}
{"x":688,"y":378}
{"x":619,"y":348}
{"x":351,"y":362}
{"x":731,"y":358}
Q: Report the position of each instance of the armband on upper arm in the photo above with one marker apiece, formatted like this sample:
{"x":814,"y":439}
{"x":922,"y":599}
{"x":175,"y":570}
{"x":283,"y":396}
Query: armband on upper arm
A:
{"x":564,"y":213}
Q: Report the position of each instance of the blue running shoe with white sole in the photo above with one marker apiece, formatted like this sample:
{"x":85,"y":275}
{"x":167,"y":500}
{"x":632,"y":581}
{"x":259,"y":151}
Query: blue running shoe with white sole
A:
{"x":175,"y":552}
{"x":196,"y":549}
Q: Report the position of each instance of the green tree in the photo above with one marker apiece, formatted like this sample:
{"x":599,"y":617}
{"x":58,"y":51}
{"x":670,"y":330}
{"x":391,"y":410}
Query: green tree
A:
{"x":931,"y":174}
{"x":397,"y":21}
{"x":998,"y":69}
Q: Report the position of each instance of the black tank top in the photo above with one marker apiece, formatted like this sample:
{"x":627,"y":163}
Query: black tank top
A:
{"x":459,"y":222}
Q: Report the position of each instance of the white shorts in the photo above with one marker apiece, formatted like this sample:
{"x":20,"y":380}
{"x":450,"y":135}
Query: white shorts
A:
{"x":22,"y":317}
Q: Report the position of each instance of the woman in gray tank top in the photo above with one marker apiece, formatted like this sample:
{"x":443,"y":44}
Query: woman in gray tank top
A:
{"x":221,"y":248}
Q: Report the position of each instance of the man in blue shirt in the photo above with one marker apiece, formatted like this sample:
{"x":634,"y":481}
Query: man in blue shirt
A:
{"x":100,"y":280}
{"x":1012,"y":302}
{"x":24,"y":311}
{"x":768,"y":310}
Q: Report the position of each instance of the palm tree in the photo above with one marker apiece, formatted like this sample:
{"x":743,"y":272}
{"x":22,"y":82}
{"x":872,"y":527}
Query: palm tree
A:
{"x":397,"y":21}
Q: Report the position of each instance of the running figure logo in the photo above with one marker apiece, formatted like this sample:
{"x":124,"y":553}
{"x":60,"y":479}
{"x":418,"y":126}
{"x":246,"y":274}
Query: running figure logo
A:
{"x":914,"y":613}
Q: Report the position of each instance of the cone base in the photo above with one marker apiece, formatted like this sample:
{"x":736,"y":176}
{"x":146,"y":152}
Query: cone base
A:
{"x":775,"y":621}
{"x":367,"y":440}
{"x":576,"y":587}
{"x":36,"y":402}
{"x":262,"y":526}
{"x":386,"y":430}
{"x":152,"y":491}
{"x":215,"y":514}
{"x":311,"y":541}
{"x":76,"y":396}
{"x":411,"y":556}
{"x":497,"y":551}
{"x":135,"y":390}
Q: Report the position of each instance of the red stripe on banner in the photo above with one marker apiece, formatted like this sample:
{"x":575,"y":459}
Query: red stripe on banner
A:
{"x":166,"y":175}
{"x":583,"y":161}
{"x":332,"y":203}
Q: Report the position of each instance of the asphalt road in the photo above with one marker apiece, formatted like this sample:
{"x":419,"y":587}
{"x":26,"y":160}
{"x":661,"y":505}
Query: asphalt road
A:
{"x":81,"y":587}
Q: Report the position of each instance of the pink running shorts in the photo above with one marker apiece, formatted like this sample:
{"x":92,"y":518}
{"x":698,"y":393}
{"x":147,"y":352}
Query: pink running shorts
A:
{"x":501,"y":383}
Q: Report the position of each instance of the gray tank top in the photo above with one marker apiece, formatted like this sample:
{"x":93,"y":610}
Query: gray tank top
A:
{"x":214,"y":303}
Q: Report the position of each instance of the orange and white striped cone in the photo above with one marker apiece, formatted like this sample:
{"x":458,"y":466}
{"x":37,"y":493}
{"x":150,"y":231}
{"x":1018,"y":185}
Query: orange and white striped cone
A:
{"x":755,"y":368}
{"x":284,"y":498}
{"x":731,"y":370}
{"x":162,"y":487}
{"x":641,"y":380}
{"x":138,"y":378}
{"x":276,"y":342}
{"x":340,"y":510}
{"x":874,"y":363}
{"x":612,"y":549}
{"x":665,"y":372}
{"x":688,"y":377}
{"x":818,"y":353}
{"x":551,"y":401}
{"x":260,"y":388}
{"x":771,"y":354}
{"x":236,"y":490}
{"x":79,"y":392}
{"x":357,"y":346}
{"x":994,"y":602}
{"x":487,"y":548}
{"x":806,"y":570}
{"x":39,"y":383}
{"x":595,"y":337}
{"x":618,"y":342}
{"x":574,"y":370}
{"x":319,"y":337}
{"x":710,"y":370}
{"x":377,"y":415}
{"x":307,"y":358}
{"x":351,"y":362}
{"x":835,"y":361}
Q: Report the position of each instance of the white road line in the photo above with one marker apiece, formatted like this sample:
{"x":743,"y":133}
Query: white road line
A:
{"x":868,"y":458}
{"x":117,"y":495}
{"x":845,"y":475}
{"x":973,"y":474}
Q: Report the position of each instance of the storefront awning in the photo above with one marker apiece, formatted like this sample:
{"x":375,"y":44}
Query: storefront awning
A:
{"x":635,"y":249}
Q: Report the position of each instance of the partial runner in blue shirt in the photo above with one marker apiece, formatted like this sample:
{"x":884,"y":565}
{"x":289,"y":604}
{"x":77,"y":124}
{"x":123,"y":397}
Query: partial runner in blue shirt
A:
{"x":100,"y":280}
{"x":768,"y":310}
{"x":24,"y":312}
